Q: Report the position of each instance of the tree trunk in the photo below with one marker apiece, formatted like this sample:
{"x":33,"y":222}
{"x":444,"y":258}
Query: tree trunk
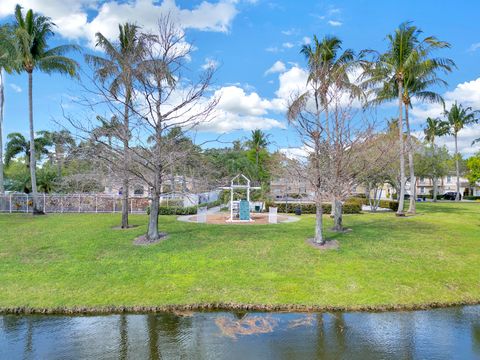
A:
{"x":126,"y":162}
{"x":457,"y":168}
{"x":338,"y":217}
{"x":434,"y":178}
{"x":152,"y":233}
{"x":33,"y":165}
{"x":125,"y":186}
{"x":2,"y":99}
{"x":319,"y":239}
{"x":412,"y":208}
{"x":401,"y":196}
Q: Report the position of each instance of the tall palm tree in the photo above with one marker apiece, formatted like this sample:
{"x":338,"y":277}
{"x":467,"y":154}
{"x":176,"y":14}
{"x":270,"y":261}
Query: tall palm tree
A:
{"x":458,"y":117}
{"x":119,"y":70}
{"x":408,"y":70}
{"x":258,"y":142}
{"x":328,"y":68}
{"x":32,"y":33}
{"x":8,"y":56}
{"x":435,"y":127}
{"x":17,"y":145}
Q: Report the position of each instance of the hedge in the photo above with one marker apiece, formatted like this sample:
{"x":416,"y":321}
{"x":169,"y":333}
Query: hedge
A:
{"x":471,"y":197}
{"x":180,"y":210}
{"x":386,"y":204}
{"x":310,"y":208}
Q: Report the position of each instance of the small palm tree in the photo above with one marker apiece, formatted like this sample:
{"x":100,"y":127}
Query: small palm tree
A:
{"x":8,"y":55}
{"x":120,"y":68}
{"x":60,"y":140}
{"x":406,"y":70}
{"x":435,"y":128}
{"x":32,"y":32}
{"x":258,"y":142}
{"x":458,"y":117}
{"x":17,"y":145}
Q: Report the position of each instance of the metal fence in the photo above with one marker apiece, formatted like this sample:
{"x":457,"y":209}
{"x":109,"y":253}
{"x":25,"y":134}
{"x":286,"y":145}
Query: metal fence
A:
{"x":71,"y":203}
{"x":96,"y":203}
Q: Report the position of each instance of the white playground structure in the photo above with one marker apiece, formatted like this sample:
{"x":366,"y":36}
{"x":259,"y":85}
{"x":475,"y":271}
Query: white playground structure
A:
{"x":240,"y":209}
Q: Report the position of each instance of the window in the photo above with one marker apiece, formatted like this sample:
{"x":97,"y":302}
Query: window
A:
{"x":422,"y":179}
{"x":449,"y":179}
{"x":138,"y":190}
{"x":422,"y":189}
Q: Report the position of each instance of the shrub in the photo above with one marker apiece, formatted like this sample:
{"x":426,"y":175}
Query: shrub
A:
{"x":310,"y":208}
{"x":387,"y":204}
{"x":471,"y":197}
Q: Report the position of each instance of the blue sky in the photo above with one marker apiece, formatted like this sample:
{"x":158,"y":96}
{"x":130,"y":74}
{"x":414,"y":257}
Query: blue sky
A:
{"x":245,"y":39}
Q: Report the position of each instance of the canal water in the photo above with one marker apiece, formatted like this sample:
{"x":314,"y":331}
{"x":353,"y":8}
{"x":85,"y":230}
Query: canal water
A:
{"x":452,"y":333}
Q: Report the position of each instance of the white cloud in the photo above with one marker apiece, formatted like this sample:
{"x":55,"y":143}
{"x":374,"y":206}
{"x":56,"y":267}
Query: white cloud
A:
{"x":225,"y":122}
{"x":210,"y":64}
{"x":288,"y":45}
{"x":467,"y":94}
{"x":334,"y":23}
{"x":73,"y":21}
{"x":306,"y":40}
{"x":289,"y":32}
{"x":465,"y":138}
{"x":277,"y":67}
{"x":295,"y":153}
{"x":292,"y":81}
{"x":273,"y":49}
{"x":233,"y":99}
{"x":474,"y":47}
{"x":16,"y":88}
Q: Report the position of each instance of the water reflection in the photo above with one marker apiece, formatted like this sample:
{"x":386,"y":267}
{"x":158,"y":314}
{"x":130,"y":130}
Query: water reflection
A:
{"x":440,"y":334}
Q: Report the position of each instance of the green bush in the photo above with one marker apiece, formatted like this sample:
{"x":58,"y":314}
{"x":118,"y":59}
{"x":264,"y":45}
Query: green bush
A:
{"x":310,"y":208}
{"x":471,"y":198}
{"x":387,"y":204}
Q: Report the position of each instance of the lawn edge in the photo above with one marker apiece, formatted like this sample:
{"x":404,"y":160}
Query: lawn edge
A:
{"x":105,"y":310}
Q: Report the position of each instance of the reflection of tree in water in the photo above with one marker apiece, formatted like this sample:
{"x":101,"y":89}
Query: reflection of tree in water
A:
{"x":123,"y":337}
{"x":331,"y":341}
{"x":307,"y":320}
{"x":247,"y":325}
{"x":166,"y":333}
{"x":476,"y":337}
{"x":29,"y":338}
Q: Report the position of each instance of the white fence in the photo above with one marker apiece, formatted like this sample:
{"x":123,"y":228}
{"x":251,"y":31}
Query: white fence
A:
{"x":95,"y":203}
{"x":71,"y":203}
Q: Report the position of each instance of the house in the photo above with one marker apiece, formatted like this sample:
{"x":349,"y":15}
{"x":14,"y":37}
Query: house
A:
{"x":290,"y":188}
{"x":446,"y":184}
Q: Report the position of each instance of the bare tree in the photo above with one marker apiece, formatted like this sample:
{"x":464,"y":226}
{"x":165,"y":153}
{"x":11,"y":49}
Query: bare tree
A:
{"x":168,"y":100}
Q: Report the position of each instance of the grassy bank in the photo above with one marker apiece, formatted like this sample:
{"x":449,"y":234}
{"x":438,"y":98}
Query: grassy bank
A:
{"x":79,"y":261}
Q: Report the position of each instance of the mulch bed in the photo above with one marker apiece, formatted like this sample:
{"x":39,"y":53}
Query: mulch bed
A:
{"x":129,"y":227}
{"x":221,"y":218}
{"x":142,"y":240}
{"x":329,"y":244}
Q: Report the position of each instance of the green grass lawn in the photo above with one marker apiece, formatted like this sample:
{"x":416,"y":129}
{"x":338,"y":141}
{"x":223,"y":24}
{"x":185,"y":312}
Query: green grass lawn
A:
{"x":79,"y":260}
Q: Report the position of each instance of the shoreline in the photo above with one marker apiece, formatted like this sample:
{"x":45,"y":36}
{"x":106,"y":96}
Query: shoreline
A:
{"x":214,"y":307}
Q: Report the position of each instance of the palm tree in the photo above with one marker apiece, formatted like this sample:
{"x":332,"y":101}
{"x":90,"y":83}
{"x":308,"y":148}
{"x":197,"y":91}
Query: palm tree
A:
{"x":258,"y":142}
{"x":458,"y":117}
{"x":32,"y":32}
{"x":406,"y":70}
{"x":61,"y":140}
{"x":328,"y":68}
{"x":119,"y":70}
{"x":434,"y":128}
{"x":17,"y":145}
{"x":7,"y":63}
